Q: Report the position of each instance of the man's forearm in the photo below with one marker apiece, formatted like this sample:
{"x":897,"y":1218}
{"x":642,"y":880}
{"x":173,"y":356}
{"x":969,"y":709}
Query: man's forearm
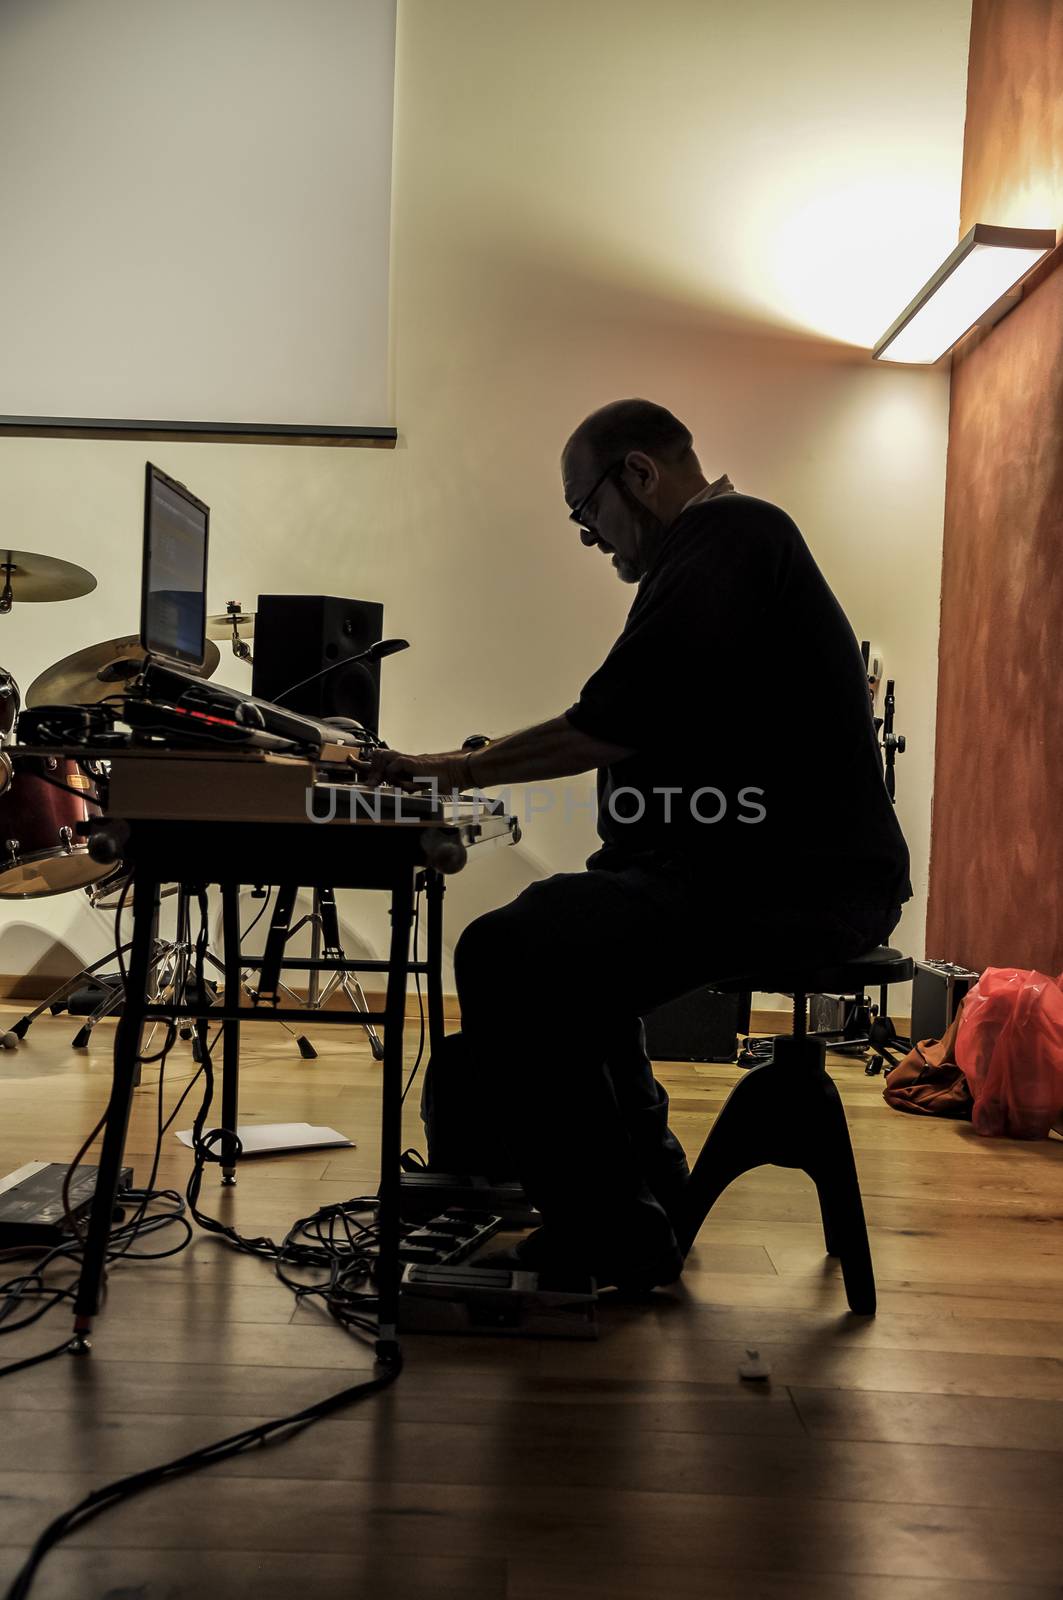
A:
{"x":553,"y":749}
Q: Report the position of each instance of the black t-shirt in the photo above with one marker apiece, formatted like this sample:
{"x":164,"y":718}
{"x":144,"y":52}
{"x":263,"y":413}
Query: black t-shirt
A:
{"x":739,"y":686}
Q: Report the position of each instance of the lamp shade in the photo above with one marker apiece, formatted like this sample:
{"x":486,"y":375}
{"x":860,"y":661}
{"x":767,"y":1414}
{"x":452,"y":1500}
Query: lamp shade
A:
{"x":987,"y":262}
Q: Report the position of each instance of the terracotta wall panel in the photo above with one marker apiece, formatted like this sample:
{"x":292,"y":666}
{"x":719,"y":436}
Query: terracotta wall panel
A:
{"x":1013,"y":144}
{"x":996,"y":870}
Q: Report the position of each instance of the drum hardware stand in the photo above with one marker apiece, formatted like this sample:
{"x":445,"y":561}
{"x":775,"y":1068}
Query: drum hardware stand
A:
{"x":241,"y":649}
{"x":171,"y":969}
{"x":324,"y":925}
{"x":56,"y":1001}
{"x":178,"y":951}
{"x":176,"y":988}
{"x":868,"y":1033}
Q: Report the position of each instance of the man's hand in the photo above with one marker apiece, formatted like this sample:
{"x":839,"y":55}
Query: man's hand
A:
{"x":552,"y":749}
{"x":449,"y":770}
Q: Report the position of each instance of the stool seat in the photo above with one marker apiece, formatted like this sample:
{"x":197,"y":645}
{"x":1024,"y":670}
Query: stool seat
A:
{"x":877,"y":966}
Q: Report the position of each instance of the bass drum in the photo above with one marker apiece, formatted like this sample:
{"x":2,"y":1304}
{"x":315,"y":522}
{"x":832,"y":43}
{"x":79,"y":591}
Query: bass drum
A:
{"x":40,"y":850}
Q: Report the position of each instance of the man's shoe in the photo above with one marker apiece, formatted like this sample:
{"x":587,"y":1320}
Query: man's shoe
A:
{"x":536,"y":1252}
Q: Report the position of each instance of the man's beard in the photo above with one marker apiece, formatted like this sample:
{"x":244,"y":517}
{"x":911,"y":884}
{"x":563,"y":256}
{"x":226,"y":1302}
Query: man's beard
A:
{"x":650,"y":530}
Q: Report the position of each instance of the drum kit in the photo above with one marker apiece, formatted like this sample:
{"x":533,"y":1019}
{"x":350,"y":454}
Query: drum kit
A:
{"x":43,"y":798}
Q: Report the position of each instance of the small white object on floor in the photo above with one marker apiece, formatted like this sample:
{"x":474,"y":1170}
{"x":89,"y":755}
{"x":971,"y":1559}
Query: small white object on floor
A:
{"x":753,"y":1369}
{"x":270,"y":1138}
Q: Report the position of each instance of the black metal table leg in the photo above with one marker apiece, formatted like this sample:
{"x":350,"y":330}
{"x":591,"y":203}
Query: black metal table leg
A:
{"x":126,"y":1062}
{"x":391,"y":1114}
{"x":151,"y":982}
{"x":435,"y":888}
{"x":230,"y":1079}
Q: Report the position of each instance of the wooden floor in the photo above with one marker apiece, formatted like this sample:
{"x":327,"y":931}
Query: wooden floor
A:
{"x":918,"y":1456}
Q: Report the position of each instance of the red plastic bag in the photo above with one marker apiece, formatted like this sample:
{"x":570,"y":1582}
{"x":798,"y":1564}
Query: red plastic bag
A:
{"x":1010,"y":1046}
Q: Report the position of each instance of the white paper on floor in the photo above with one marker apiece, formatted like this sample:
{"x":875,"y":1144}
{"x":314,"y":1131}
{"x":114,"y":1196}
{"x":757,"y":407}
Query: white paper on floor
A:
{"x":269,"y":1138}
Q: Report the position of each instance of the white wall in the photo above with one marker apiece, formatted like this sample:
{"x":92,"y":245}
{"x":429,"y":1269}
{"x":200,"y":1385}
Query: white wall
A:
{"x":577,"y":195}
{"x":195,"y":202}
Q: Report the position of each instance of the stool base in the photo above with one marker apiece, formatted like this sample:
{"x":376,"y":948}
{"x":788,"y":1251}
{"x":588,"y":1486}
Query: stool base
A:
{"x":788,"y":1113}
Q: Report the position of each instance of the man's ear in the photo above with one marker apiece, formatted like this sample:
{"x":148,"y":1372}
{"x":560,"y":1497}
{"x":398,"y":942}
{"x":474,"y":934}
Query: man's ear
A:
{"x":642,"y":470}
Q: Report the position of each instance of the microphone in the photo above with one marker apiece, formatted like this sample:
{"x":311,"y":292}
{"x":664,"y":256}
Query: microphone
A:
{"x":376,"y":652}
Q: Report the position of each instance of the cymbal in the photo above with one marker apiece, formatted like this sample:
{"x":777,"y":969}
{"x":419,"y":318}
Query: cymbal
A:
{"x":221,"y":624}
{"x":76,"y":681}
{"x":34,"y":577}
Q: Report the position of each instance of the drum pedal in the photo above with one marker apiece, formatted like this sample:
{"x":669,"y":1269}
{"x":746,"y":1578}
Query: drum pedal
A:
{"x":83,"y":1002}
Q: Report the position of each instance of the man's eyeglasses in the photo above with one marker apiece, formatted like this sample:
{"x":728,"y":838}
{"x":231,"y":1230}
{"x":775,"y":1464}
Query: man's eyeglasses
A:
{"x":576,"y":515}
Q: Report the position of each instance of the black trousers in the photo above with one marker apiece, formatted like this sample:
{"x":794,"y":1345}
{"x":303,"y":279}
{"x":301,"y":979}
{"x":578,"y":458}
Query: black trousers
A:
{"x":552,"y":989}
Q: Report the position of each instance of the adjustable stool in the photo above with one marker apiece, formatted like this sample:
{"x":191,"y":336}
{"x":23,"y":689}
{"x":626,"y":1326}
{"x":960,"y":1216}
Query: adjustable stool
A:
{"x":788,"y":1113}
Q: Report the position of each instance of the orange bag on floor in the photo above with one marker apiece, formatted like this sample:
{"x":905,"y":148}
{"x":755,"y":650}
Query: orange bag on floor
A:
{"x":928,"y":1081}
{"x":1010,"y":1046}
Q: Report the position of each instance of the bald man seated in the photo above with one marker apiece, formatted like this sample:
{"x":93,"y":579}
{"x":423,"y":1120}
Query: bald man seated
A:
{"x":742,"y":814}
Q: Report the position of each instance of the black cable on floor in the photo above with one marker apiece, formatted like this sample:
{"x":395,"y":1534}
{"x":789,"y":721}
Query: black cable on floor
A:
{"x":113,"y":1494}
{"x":333,"y":1239}
{"x":35,"y":1361}
{"x":31,"y":1285}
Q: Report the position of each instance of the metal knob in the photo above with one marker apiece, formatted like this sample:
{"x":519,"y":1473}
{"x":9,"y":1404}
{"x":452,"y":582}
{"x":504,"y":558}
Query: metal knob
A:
{"x":106,"y":843}
{"x":444,"y":850}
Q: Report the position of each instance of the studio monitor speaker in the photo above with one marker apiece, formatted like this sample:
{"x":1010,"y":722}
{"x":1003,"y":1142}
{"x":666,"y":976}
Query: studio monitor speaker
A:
{"x":296,"y":635}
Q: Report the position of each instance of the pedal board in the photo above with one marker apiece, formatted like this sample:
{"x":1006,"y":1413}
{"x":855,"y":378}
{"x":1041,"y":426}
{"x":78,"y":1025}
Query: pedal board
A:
{"x":469,"y":1299}
{"x":424,"y":1194}
{"x":31,"y":1202}
{"x":449,"y":1238}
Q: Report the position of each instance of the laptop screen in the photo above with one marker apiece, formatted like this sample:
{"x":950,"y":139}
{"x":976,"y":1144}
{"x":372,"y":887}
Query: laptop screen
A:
{"x":173,"y":607}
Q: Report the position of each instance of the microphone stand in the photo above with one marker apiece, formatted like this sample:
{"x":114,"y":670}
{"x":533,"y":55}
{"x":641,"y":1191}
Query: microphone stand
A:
{"x":376,"y":652}
{"x":867,"y":1030}
{"x":892,"y":743}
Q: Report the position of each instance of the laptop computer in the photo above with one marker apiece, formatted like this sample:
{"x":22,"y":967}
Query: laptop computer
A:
{"x":173,"y":600}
